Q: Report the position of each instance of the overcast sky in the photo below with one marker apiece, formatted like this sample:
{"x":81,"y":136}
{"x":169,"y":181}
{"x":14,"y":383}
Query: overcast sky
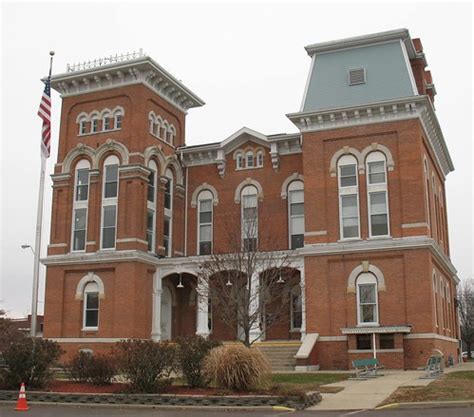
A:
{"x":246,"y":61}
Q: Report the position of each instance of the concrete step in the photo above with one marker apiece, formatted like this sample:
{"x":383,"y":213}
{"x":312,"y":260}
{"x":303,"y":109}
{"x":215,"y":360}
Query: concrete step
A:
{"x":281,"y":357}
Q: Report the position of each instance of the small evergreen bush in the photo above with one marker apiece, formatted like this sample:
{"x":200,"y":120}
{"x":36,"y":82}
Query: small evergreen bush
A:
{"x":29,"y":360}
{"x":190,"y":355}
{"x":236,"y":367}
{"x":146,"y":364}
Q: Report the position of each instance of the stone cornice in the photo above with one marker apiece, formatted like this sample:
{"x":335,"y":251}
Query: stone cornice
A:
{"x":143,"y":70}
{"x":376,"y":329}
{"x":321,"y":249}
{"x":416,"y":107}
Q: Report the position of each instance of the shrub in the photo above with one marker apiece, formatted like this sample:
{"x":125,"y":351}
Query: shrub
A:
{"x":96,"y":369}
{"x":146,"y":364}
{"x":236,"y":367}
{"x":29,"y":360}
{"x":190,"y":356}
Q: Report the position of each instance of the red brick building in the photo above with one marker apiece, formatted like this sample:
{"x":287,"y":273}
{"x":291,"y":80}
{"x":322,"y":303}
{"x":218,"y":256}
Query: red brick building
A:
{"x":358,"y":193}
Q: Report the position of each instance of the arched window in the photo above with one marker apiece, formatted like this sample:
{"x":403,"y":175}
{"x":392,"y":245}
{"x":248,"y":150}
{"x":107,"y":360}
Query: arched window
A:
{"x":118,"y":118}
{"x":109,"y":202}
{"x":249,"y":203}
{"x":259,"y":162}
{"x":205,"y":204}
{"x":367,"y":299}
{"x":249,"y":159}
{"x":348,"y":197}
{"x":435,"y":297}
{"x":164,"y":130}
{"x":172,"y":134}
{"x":239,"y":161}
{"x":91,"y":307}
{"x":151,"y":207}
{"x":83,"y":125}
{"x":296,"y":308}
{"x":377,"y":194}
{"x":80,"y":203}
{"x":106,"y":121}
{"x":94,"y":124}
{"x":296,"y":214}
{"x":168,"y":215}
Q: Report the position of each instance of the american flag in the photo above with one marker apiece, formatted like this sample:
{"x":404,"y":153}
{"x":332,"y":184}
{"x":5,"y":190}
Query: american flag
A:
{"x":44,"y":112}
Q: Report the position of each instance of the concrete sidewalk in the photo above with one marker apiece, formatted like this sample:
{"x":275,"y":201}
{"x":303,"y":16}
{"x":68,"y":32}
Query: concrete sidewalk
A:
{"x":367,"y":394}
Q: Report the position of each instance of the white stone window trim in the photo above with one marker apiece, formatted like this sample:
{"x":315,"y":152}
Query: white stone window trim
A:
{"x":109,"y":201}
{"x":90,"y":288}
{"x":377,"y":156}
{"x":80,"y":204}
{"x":294,"y":289}
{"x":294,"y":186}
{"x":367,"y":278}
{"x":168,"y":213}
{"x":205,"y":195}
{"x":348,"y":159}
{"x":202,"y":187}
{"x":249,"y":190}
{"x":151,"y":205}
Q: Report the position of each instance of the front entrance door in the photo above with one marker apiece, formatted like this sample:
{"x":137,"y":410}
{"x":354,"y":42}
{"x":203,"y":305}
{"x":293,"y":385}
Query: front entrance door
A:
{"x":166,"y":306}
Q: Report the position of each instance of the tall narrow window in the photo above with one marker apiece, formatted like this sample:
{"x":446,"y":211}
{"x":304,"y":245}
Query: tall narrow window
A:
{"x":250,"y":159}
{"x":151,"y":207}
{"x":91,"y":307}
{"x":239,"y":161}
{"x":168,"y":215}
{"x":118,"y":117}
{"x":249,"y":203}
{"x":95,"y":125}
{"x":83,"y":126}
{"x":260,"y":159}
{"x":81,"y":197}
{"x":296,"y":308}
{"x":106,"y":122}
{"x":377,"y":194}
{"x":205,"y":204}
{"x":109,"y":202}
{"x":296,"y":214}
{"x":348,"y":197}
{"x":367,"y":309}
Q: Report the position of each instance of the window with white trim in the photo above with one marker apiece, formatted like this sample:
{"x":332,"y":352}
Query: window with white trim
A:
{"x":367,"y":299}
{"x":80,"y":205}
{"x":296,"y":308}
{"x":151,"y":207}
{"x":249,"y":159}
{"x":95,"y":124}
{"x":348,"y":197}
{"x":83,"y":126}
{"x":118,"y":119}
{"x":239,"y":161}
{"x":109,"y":202}
{"x":91,"y":307}
{"x":377,"y":194}
{"x":205,"y":205}
{"x":168,"y":214}
{"x":259,"y":162}
{"x":106,"y":122}
{"x":249,"y":222}
{"x":435,"y":292}
{"x":296,"y":214}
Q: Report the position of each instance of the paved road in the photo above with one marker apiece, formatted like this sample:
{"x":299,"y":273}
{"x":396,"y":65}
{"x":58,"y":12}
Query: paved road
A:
{"x":6,"y":410}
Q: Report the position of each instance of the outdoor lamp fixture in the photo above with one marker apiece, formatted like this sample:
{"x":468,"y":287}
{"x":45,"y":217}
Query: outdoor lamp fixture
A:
{"x":280,"y":279}
{"x":228,"y":283}
{"x":25,"y":246}
{"x":180,"y":283}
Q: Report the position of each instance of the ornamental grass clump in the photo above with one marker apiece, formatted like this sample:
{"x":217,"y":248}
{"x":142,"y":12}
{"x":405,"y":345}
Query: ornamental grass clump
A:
{"x":237,"y":367}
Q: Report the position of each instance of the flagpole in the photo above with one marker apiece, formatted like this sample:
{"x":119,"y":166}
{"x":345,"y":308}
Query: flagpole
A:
{"x":39,"y":226}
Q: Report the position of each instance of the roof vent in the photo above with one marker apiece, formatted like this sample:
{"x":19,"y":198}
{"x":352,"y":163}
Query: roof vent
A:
{"x":357,"y":76}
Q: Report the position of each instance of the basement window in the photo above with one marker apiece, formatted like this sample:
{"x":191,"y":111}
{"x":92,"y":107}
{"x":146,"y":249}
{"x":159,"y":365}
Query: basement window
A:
{"x":357,"y":76}
{"x":387,"y":341}
{"x":364,"y":341}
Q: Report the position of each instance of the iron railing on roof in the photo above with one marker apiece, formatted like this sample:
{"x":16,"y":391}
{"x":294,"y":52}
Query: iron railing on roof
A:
{"x":112,"y":59}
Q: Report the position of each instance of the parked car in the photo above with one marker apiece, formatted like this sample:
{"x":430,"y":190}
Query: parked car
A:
{"x":464,"y":354}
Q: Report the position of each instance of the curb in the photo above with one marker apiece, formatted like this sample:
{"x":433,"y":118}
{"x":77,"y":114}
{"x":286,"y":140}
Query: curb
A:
{"x":428,"y":404}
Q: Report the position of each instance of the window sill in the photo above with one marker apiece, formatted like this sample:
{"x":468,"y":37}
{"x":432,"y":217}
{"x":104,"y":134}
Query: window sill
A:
{"x":350,"y":239}
{"x":162,"y":140}
{"x":249,"y":168}
{"x":362,"y":325}
{"x":98,"y":132}
{"x":379,"y":237}
{"x":89,"y":329}
{"x":295,"y":330}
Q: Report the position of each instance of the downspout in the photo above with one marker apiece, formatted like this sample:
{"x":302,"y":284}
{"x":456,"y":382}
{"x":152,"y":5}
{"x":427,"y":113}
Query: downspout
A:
{"x":185,"y":251}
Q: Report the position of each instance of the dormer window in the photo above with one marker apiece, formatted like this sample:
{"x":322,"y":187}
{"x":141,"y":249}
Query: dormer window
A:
{"x":249,"y":159}
{"x":83,"y":127}
{"x":357,"y":76}
{"x":118,"y":121}
{"x":106,"y":123}
{"x":239,"y":158}
{"x":95,"y":125}
{"x":260,"y":159}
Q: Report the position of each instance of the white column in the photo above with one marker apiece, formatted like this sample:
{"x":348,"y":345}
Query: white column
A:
{"x":156,"y":317}
{"x":202,"y":328}
{"x":255,"y":331}
{"x":303,"y":301}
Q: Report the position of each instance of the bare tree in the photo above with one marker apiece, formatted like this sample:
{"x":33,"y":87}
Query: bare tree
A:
{"x":466,"y":314}
{"x":249,"y":289}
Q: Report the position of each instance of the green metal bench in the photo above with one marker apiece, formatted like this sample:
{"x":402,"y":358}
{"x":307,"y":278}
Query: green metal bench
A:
{"x":366,"y":368}
{"x":433,"y":367}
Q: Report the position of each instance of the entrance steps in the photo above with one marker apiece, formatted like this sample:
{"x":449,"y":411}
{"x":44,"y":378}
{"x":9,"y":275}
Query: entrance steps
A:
{"x":281,"y":355}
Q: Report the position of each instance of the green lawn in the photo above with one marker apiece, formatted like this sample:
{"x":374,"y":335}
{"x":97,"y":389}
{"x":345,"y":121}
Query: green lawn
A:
{"x":309,"y":378}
